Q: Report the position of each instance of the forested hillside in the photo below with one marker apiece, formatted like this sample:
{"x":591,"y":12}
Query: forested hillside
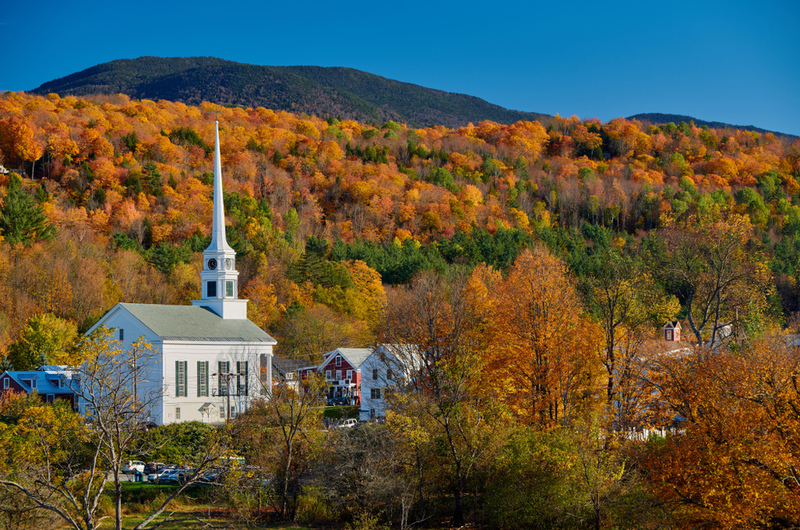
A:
{"x":323,"y":91}
{"x":126,"y":185}
{"x":533,"y":265}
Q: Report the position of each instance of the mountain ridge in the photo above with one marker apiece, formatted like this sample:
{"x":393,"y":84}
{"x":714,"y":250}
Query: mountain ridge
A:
{"x":324,"y":91}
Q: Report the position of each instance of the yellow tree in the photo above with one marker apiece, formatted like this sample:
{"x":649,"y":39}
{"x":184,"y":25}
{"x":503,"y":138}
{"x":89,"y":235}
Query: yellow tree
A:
{"x":45,"y":459}
{"x":367,"y":298}
{"x":628,"y":305}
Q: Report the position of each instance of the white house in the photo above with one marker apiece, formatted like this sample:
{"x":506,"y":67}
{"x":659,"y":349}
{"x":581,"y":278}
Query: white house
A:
{"x":386,"y":368}
{"x":208,"y":356}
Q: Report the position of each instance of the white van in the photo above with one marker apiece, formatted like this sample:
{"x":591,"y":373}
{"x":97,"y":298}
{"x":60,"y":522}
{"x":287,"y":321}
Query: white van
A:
{"x":132,"y":466}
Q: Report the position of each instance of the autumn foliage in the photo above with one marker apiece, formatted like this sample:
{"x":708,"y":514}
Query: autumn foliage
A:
{"x":532,"y":264}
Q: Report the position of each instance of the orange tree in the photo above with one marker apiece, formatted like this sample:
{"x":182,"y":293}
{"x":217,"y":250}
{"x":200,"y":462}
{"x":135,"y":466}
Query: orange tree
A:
{"x":543,"y":362}
{"x":735,"y":460}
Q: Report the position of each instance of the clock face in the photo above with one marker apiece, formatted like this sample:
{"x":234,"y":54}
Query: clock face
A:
{"x":212,"y":264}
{"x":228,"y":263}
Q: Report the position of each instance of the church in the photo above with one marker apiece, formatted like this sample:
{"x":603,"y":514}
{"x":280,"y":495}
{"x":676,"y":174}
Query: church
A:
{"x":207,"y":357}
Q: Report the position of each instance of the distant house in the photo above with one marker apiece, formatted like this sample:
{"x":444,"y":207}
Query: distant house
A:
{"x":672,"y":331}
{"x":386,"y":368}
{"x":49,"y":382}
{"x":286,"y":371}
{"x":342,"y":370}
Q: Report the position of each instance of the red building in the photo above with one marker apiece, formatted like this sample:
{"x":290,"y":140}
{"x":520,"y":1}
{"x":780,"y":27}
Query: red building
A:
{"x":342,"y":371}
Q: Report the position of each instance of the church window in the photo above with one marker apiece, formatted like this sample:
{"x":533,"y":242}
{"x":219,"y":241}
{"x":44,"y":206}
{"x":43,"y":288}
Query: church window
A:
{"x":222,"y":377}
{"x":180,"y":378}
{"x":211,"y":289}
{"x":202,"y":378}
{"x":241,"y":379}
{"x":229,"y":289}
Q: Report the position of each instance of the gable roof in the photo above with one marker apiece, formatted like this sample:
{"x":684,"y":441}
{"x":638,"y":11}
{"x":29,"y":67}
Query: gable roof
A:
{"x":354,"y":356}
{"x":193,"y":323}
{"x":49,"y":380}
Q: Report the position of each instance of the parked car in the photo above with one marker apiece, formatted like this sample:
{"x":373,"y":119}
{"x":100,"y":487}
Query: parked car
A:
{"x":349,"y":423}
{"x":176,"y":476}
{"x":132,"y":466}
{"x":153,"y":467}
{"x":156,"y":477}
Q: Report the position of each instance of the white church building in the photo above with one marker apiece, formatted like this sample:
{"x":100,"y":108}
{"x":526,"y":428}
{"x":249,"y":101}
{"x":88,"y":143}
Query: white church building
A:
{"x":207,"y":356}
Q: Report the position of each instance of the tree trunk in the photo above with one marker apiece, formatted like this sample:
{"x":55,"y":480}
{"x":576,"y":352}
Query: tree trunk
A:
{"x":117,"y":501}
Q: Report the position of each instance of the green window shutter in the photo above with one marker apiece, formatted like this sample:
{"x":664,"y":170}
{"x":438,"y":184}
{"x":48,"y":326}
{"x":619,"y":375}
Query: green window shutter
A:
{"x":222,"y":379}
{"x":202,"y":378}
{"x":241,"y":381}
{"x":180,"y":378}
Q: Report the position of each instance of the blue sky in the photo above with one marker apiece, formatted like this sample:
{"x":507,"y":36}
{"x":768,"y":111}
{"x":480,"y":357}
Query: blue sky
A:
{"x":732,"y":61}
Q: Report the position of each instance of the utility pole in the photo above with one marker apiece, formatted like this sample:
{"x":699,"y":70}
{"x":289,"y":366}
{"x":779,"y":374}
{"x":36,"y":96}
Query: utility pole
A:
{"x":227,"y":376}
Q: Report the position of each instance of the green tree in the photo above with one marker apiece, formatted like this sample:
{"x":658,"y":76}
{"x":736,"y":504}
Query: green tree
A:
{"x":45,"y":339}
{"x":21,"y":217}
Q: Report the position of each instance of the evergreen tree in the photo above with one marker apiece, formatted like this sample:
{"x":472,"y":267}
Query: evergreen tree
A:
{"x":21,"y":217}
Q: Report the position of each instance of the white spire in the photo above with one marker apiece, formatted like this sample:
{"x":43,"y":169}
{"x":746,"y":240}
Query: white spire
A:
{"x":218,"y":240}
{"x":219,"y":279}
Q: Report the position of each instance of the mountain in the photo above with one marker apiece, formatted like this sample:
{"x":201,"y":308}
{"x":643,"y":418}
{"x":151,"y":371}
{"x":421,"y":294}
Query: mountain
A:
{"x":323,"y":91}
{"x":656,"y":118}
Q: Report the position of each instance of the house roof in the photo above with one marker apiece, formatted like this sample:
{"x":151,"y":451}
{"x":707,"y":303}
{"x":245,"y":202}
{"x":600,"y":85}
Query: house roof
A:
{"x":287,"y":365}
{"x":355,"y":356}
{"x":194,"y":323}
{"x":48,"y":379}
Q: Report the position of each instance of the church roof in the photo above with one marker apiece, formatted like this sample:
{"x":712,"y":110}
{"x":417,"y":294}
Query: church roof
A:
{"x":194,"y":323}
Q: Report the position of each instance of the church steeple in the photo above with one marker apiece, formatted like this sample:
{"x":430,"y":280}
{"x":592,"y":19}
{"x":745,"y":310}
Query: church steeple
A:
{"x":218,"y":240}
{"x":219,"y":277}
